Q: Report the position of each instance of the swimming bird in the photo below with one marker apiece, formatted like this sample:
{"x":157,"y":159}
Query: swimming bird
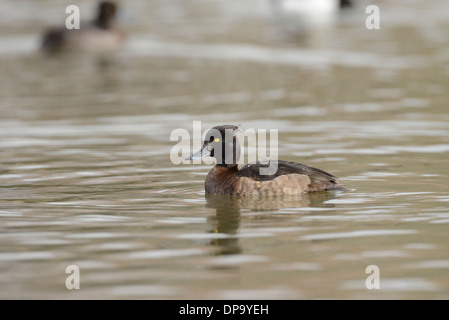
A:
{"x":312,"y":22}
{"x":279,"y":178}
{"x":100,"y":35}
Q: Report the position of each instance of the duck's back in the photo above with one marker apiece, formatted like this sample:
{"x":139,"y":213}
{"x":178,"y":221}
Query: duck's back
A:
{"x":285,"y":178}
{"x":277,"y":168}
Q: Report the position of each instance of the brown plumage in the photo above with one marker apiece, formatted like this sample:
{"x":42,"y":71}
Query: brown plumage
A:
{"x":221,"y":180}
{"x":286,"y":178}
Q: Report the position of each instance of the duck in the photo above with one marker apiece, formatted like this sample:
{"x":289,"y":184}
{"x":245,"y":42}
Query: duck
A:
{"x":100,"y":35}
{"x":279,"y":178}
{"x":307,"y":17}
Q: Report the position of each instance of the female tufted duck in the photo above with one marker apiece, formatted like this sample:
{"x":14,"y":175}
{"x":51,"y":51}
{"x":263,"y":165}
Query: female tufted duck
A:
{"x":100,"y":35}
{"x":226,"y":178}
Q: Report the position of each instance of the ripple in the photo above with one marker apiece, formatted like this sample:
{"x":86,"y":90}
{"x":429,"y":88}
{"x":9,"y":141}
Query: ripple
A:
{"x":298,"y":266}
{"x":430,"y":264}
{"x":355,"y":234}
{"x":23,"y":44}
{"x":145,"y":290}
{"x":410,"y":193}
{"x":30,"y":167}
{"x":206,"y":236}
{"x":45,"y":242}
{"x":415,"y":102}
{"x":395,"y":284}
{"x":348,"y":200}
{"x":167,"y":253}
{"x":301,"y":57}
{"x":182,"y":220}
{"x":353,"y":217}
{"x":437,"y":148}
{"x":299,"y":111}
{"x":384,"y":254}
{"x":381,"y":174}
{"x":282,"y":229}
{"x":238,"y":259}
{"x":440,"y":221}
{"x":442,"y":198}
{"x":419,"y":246}
{"x":99,"y":218}
{"x":255,"y":234}
{"x":11,"y":175}
{"x":114,"y":246}
{"x":92,"y":235}
{"x":93,"y":264}
{"x":23,"y":256}
{"x":260,"y":294}
{"x":4,"y":213}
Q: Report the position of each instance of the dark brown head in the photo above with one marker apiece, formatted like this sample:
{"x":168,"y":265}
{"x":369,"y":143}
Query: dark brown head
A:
{"x":107,"y":11}
{"x":345,"y":3}
{"x":221,"y":143}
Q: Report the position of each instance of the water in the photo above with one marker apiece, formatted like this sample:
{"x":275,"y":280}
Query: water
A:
{"x":86,"y":177}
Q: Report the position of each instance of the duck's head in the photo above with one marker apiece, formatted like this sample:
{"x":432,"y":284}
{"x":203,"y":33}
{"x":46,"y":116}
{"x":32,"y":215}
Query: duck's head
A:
{"x":221,"y":143}
{"x":107,"y":11}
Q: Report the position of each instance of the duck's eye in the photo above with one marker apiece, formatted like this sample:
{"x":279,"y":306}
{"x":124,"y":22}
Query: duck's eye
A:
{"x":217,"y":140}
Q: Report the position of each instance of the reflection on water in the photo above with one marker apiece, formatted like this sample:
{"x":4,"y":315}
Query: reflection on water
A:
{"x":255,"y":203}
{"x":86,"y":177}
{"x":226,"y":222}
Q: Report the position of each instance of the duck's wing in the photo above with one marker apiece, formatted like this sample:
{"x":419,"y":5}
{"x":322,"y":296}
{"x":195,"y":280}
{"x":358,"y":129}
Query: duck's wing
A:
{"x":280,"y":167}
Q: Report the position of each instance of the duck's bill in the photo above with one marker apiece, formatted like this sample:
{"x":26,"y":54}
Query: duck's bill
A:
{"x":202,"y":153}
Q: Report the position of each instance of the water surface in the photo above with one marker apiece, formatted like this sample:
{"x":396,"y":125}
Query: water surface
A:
{"x":86,"y":177}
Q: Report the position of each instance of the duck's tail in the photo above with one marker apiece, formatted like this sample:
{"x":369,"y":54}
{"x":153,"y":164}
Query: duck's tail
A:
{"x":325,"y":186}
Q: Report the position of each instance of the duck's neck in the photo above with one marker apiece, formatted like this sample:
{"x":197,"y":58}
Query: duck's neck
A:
{"x":103,"y":23}
{"x":221,"y":179}
{"x":105,"y":18}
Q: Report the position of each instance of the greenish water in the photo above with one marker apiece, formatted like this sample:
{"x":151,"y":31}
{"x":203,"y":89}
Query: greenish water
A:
{"x":86,"y":177}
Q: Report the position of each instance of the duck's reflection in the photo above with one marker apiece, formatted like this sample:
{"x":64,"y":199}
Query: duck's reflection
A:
{"x":227,"y":219}
{"x":226,"y":222}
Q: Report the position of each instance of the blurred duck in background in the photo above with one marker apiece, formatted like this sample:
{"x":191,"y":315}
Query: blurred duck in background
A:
{"x":100,"y":35}
{"x":307,"y":17}
{"x":345,"y":4}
